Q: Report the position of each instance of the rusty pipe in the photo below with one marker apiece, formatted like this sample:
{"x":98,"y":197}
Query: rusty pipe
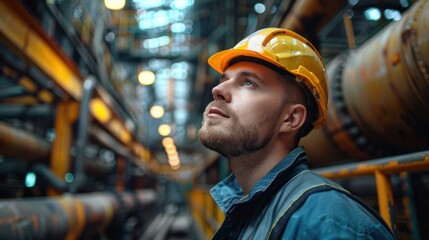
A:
{"x":17,"y":143}
{"x":68,"y":216}
{"x":378,"y":104}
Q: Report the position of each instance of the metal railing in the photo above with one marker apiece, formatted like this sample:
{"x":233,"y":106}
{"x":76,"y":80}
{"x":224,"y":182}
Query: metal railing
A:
{"x":381,"y":168}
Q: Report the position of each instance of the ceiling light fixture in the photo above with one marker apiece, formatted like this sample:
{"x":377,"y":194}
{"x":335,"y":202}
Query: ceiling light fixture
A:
{"x":114,"y":4}
{"x":164,"y":130}
{"x":157,"y":111}
{"x":146,"y":77}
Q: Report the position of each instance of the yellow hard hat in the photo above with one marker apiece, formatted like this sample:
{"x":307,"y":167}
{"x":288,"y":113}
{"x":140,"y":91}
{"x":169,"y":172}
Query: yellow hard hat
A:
{"x":289,"y":51}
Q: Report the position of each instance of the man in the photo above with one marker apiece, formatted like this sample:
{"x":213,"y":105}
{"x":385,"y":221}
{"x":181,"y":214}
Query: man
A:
{"x":272,"y":92}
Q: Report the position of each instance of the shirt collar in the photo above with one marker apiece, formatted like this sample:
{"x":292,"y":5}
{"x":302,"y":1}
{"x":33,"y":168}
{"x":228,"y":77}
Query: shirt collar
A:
{"x":228,"y":192}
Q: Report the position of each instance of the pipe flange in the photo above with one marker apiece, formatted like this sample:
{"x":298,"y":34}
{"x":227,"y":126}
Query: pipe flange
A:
{"x":356,"y":135}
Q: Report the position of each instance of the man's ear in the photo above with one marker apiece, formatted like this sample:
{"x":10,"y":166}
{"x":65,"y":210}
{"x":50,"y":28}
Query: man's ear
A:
{"x":293,"y":118}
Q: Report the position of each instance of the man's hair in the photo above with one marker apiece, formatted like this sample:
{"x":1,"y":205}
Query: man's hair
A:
{"x":301,"y":96}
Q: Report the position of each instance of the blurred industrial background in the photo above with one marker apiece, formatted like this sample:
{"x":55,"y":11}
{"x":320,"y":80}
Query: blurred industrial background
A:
{"x":100,"y":106}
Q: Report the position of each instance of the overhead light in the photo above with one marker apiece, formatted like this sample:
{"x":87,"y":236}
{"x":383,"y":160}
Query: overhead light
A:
{"x":174,"y":162}
{"x":157,"y":111}
{"x":68,"y":177}
{"x":392,"y":14}
{"x":178,"y":27}
{"x":404,"y":3}
{"x":181,"y":4}
{"x":114,"y":4}
{"x":168,"y":141}
{"x":156,"y":42}
{"x":146,"y":77}
{"x":373,"y":14}
{"x":164,"y":130}
{"x":110,"y":37}
{"x":259,"y":8}
{"x":171,"y":151}
{"x":30,"y":179}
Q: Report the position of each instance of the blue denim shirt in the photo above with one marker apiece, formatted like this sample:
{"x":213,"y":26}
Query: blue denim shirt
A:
{"x":330,"y":214}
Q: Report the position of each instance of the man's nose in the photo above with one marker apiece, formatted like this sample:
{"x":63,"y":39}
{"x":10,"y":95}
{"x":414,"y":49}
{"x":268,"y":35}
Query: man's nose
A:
{"x":222,"y":92}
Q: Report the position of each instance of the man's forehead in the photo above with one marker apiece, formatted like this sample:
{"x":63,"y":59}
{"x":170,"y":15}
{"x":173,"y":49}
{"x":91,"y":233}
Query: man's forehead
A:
{"x":251,"y":69}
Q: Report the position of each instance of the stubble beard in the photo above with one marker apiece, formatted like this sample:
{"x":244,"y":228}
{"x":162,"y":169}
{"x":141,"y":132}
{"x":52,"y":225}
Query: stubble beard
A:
{"x":238,"y":139}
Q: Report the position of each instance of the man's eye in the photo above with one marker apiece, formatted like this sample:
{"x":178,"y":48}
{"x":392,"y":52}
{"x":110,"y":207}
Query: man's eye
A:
{"x":248,"y":83}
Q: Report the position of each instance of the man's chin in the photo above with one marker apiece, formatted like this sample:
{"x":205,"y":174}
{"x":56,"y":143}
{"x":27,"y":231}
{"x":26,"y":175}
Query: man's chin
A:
{"x":210,"y":137}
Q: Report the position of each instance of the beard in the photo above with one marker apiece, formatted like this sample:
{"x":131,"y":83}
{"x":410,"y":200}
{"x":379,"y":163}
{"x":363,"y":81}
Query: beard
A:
{"x":238,"y":138}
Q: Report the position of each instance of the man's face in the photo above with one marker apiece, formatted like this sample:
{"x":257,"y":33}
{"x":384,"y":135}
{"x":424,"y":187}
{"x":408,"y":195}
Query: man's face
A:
{"x":245,"y":112}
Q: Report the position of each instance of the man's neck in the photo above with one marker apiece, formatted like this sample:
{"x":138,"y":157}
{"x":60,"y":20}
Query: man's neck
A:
{"x":250,"y":168}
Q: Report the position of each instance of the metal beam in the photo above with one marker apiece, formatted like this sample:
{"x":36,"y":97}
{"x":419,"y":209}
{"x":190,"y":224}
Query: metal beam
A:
{"x":26,"y":111}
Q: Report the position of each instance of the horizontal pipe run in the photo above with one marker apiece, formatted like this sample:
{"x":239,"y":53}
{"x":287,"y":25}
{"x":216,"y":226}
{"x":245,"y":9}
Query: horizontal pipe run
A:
{"x":107,"y":140}
{"x":26,"y":111}
{"x":20,"y":144}
{"x":69,"y":216}
{"x":395,"y":164}
{"x":14,"y":91}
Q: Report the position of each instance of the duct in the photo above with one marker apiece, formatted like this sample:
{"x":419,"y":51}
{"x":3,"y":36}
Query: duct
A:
{"x":70,"y":216}
{"x":309,"y":17}
{"x":20,"y":144}
{"x":378,"y":95}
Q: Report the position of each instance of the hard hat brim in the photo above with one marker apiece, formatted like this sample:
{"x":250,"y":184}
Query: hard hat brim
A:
{"x":221,"y":60}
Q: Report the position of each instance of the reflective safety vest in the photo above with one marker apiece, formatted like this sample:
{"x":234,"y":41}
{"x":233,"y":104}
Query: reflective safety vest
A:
{"x":266,"y":215}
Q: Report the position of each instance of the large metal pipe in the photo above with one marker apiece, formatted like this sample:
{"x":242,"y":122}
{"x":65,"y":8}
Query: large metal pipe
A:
{"x":20,"y":144}
{"x":69,"y":216}
{"x":378,"y":102}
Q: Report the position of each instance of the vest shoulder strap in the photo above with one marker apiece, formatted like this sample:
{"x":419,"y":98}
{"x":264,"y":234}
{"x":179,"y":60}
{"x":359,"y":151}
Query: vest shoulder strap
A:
{"x":326,"y":185}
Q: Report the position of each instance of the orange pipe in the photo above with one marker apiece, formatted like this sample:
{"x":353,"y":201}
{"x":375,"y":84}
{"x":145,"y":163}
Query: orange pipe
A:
{"x":385,"y":199}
